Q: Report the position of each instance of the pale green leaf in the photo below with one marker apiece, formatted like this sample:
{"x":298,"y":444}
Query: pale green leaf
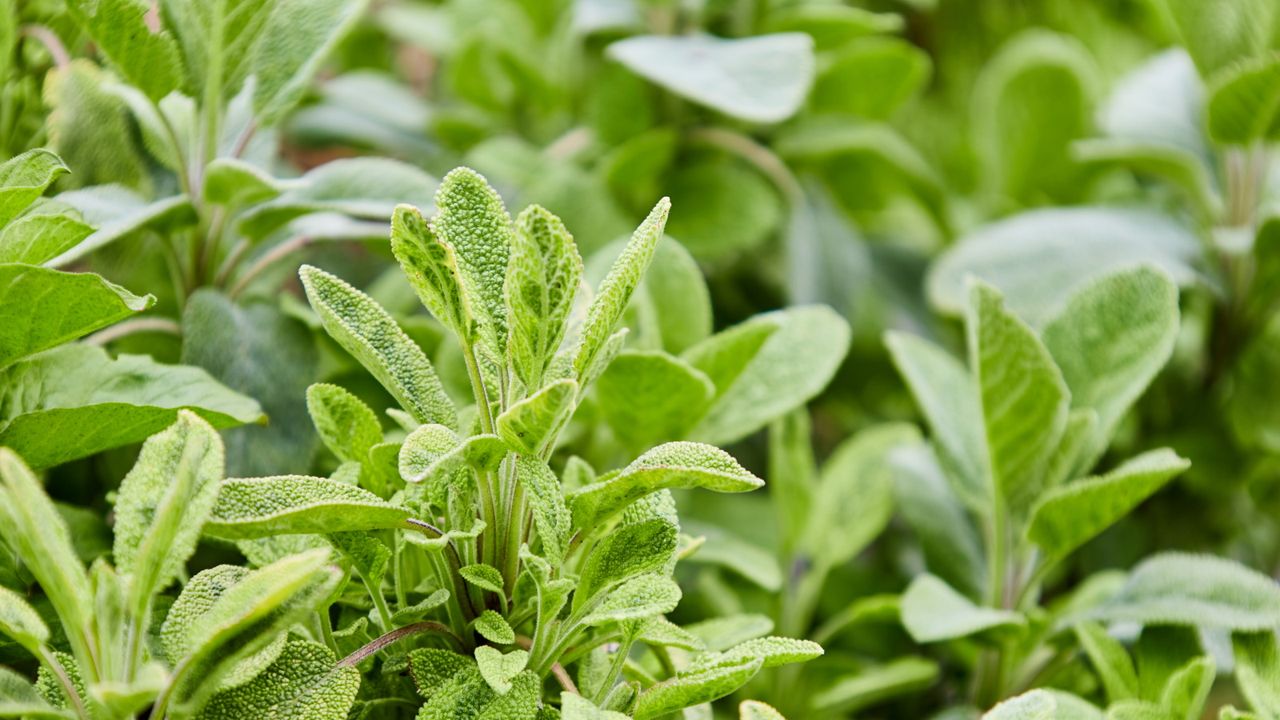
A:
{"x":542,"y":280}
{"x":21,"y":699}
{"x":46,"y":308}
{"x":1198,"y":590}
{"x":932,"y":611}
{"x":1066,"y":517}
{"x":774,"y":651}
{"x":498,"y":669}
{"x":43,"y":233}
{"x":117,"y":212}
{"x":1187,"y":689}
{"x":761,"y":79}
{"x":485,"y":577}
{"x":23,"y":179}
{"x":1035,"y":705}
{"x":629,"y":551}
{"x":724,"y":632}
{"x":673,"y":465}
{"x":947,"y":536}
{"x":431,"y":264}
{"x":1110,"y":661}
{"x":292,"y":504}
{"x":1244,"y":103}
{"x":1219,"y":33}
{"x":235,"y":182}
{"x":643,"y":596}
{"x":1258,"y":670}
{"x":693,"y":688}
{"x":546,"y":499}
{"x":148,"y":60}
{"x":20,"y":621}
{"x":493,"y":627}
{"x":648,"y":397}
{"x":298,"y":36}
{"x":575,"y":707}
{"x":756,"y":710}
{"x":877,"y":683}
{"x":302,"y":684}
{"x":531,"y":425}
{"x":871,"y":78}
{"x":370,"y":334}
{"x":347,"y":426}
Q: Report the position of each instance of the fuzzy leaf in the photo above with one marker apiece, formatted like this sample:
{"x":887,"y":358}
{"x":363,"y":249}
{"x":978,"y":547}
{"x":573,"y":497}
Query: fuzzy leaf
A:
{"x":493,"y":627}
{"x":431,"y":264}
{"x":542,"y":281}
{"x":575,"y":707}
{"x":761,"y":79}
{"x":485,"y":577}
{"x":302,"y":684}
{"x":498,"y":669}
{"x":163,"y":503}
{"x":631,"y":550}
{"x":766,"y":367}
{"x":20,"y":699}
{"x":118,"y":213}
{"x":1182,"y":589}
{"x":756,"y":710}
{"x":292,"y":504}
{"x":550,"y":514}
{"x":693,"y":688}
{"x":23,"y":179}
{"x":530,"y":424}
{"x":298,"y":36}
{"x":366,"y":331}
{"x":45,"y":308}
{"x":1220,"y":33}
{"x":1110,"y":661}
{"x":649,"y":397}
{"x":673,"y":465}
{"x":348,"y":427}
{"x":947,"y":535}
{"x":643,"y":596}
{"x":42,"y":234}
{"x":1066,"y":517}
{"x":148,"y":60}
{"x":1023,"y":396}
{"x":932,"y":611}
{"x":615,"y":291}
{"x":1244,"y":105}
{"x":1257,"y":670}
{"x":233,"y":182}
{"x":774,"y":651}
{"x":20,"y":621}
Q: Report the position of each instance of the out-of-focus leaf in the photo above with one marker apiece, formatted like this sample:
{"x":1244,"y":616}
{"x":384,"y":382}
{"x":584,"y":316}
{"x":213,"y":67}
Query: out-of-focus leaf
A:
{"x":1219,"y":33}
{"x":933,"y":611}
{"x":1198,"y":590}
{"x":298,"y":35}
{"x":875,"y":684}
{"x":871,"y":78}
{"x":149,"y":60}
{"x":1244,"y":102}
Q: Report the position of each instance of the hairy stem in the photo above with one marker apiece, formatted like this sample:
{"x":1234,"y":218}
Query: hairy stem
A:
{"x":136,"y":325}
{"x":426,"y":626}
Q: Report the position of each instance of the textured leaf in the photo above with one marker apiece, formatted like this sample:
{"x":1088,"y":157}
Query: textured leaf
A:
{"x":1039,"y":259}
{"x":291,"y":504}
{"x":877,"y":683}
{"x":575,"y":707}
{"x":231,"y":181}
{"x":1181,"y":589}
{"x":20,"y":621}
{"x":1244,"y":105}
{"x":1066,"y":517}
{"x":643,"y":596}
{"x":366,"y":331}
{"x":485,"y":577}
{"x":217,"y":38}
{"x":756,"y":710}
{"x":798,"y":353}
{"x":542,"y":280}
{"x":761,"y":79}
{"x":1110,"y":340}
{"x":45,"y":308}
{"x":932,"y":611}
{"x":348,"y":427}
{"x":498,"y":669}
{"x":630,"y":551}
{"x":75,"y":401}
{"x":163,"y":503}
{"x":1023,"y":396}
{"x":118,"y":213}
{"x":1187,"y":690}
{"x":673,"y":465}
{"x":23,"y":179}
{"x":1035,"y":705}
{"x":431,"y":264}
{"x":42,"y":234}
{"x":298,"y":36}
{"x":688,"y":689}
{"x":303,"y":684}
{"x":19,"y":698}
{"x":649,"y":397}
{"x":1110,"y":661}
{"x":148,"y":60}
{"x":615,"y":291}
{"x":774,"y":651}
{"x":1257,"y":668}
{"x":531,"y":424}
{"x":550,"y":514}
{"x":494,"y":628}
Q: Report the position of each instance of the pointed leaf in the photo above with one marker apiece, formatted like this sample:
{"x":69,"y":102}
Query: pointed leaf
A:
{"x":550,"y":514}
{"x":499,"y":669}
{"x":20,"y":621}
{"x":493,"y":627}
{"x":291,"y":504}
{"x":1196,"y":590}
{"x":1257,"y":670}
{"x":19,"y":698}
{"x":348,"y":427}
{"x":431,"y":264}
{"x":284,"y":69}
{"x":648,"y":397}
{"x":530,"y":424}
{"x":542,"y":281}
{"x":303,"y":683}
{"x":148,"y":60}
{"x":644,"y":596}
{"x":1110,"y":661}
{"x":23,"y":179}
{"x":631,"y":550}
{"x":932,"y":611}
{"x":688,"y":689}
{"x":485,"y":577}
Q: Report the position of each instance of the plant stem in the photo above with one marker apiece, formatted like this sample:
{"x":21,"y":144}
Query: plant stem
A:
{"x":426,"y":626}
{"x":615,"y":668}
{"x":269,"y":258}
{"x":136,"y":325}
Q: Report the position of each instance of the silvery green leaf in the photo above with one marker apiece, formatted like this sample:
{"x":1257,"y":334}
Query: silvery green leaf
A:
{"x":932,"y":611}
{"x":542,"y":280}
{"x":21,"y":622}
{"x":774,"y":651}
{"x":1243,"y":102}
{"x":950,"y":541}
{"x":1034,"y":705}
{"x":1174,"y":588}
{"x":292,"y":504}
{"x":648,"y":397}
{"x":692,"y":688}
{"x":871,"y":78}
{"x":761,"y":79}
{"x":231,"y":181}
{"x":641,"y":597}
{"x":1150,"y":158}
{"x":1110,"y":661}
{"x":311,"y":29}
{"x":430,"y":263}
{"x":1257,"y":670}
{"x":485,"y":577}
{"x":370,"y":334}
{"x":531,"y":425}
{"x":629,"y":551}
{"x":303,"y":683}
{"x":118,"y":212}
{"x":148,"y":60}
{"x":347,"y":426}
{"x":1187,"y":689}
{"x":498,"y":669}
{"x":20,"y":699}
{"x":722,"y":633}
{"x":756,"y":710}
{"x":575,"y":707}
{"x":23,"y":179}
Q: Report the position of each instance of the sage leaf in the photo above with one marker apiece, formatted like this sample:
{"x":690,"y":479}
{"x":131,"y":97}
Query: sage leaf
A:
{"x":932,"y":611}
{"x":643,"y":596}
{"x":542,"y":280}
{"x":1257,"y":666}
{"x":499,"y":669}
{"x":304,"y":682}
{"x":493,"y":627}
{"x":902,"y":676}
{"x":1218,"y":34}
{"x":1194,"y":590}
{"x":291,"y":504}
{"x":118,"y":212}
{"x":531,"y":425}
{"x":20,"y":699}
{"x":284,"y":69}
{"x":21,"y":622}
{"x":550,"y":513}
{"x":149,"y":60}
{"x":431,"y":264}
{"x":23,"y":179}
{"x":693,"y":688}
{"x":1244,"y":105}
{"x":649,"y":397}
{"x":1110,"y":661}
{"x":347,"y":426}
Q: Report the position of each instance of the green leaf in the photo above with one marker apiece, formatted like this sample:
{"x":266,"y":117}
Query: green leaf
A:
{"x":1257,"y":670}
{"x":951,"y":544}
{"x":234,"y":182}
{"x":643,"y":596}
{"x":726,"y":208}
{"x":291,"y":504}
{"x":877,"y":683}
{"x":21,"y":622}
{"x":575,"y":707}
{"x":550,"y":514}
{"x":1244,"y":104}
{"x":542,"y":280}
{"x":369,"y":188}
{"x":303,"y":683}
{"x":1182,"y":589}
{"x":1144,"y":157}
{"x":1023,"y":396}
{"x":19,"y":698}
{"x":932,"y":611}
{"x":673,"y":465}
{"x":944,"y":392}
{"x":648,"y":397}
{"x":485,"y":577}
{"x":871,"y":78}
{"x":431,"y":668}
{"x":761,"y":79}
{"x":493,"y":627}
{"x":729,"y":551}
{"x":1110,"y":661}
{"x":1040,"y":258}
{"x":148,"y":60}
{"x":726,"y":631}
{"x":117,"y":212}
{"x":163,"y":504}
{"x":23,"y":179}
{"x":756,"y":710}
{"x":90,"y":128}
{"x":629,"y":551}
{"x":472,"y":219}
{"x":41,"y":234}
{"x":433,"y":453}
{"x":1110,"y":340}
{"x":217,"y":38}
{"x":347,"y":426}
{"x":1187,"y":690}
{"x":693,"y":688}
{"x":531,"y":425}
{"x":47,"y":308}
{"x":370,"y":334}
{"x":615,"y":291}
{"x":499,"y":669}
{"x":297,"y":38}
{"x":1034,"y":705}
{"x":431,"y":264}
{"x":75,"y":401}
{"x":1067,"y":517}
{"x":774,"y":651}
{"x":1220,"y":33}
{"x":766,"y":367}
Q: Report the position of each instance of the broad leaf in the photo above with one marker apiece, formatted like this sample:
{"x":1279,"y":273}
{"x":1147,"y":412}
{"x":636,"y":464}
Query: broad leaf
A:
{"x":630,"y":551}
{"x":21,"y":622}
{"x":23,"y":179}
{"x":648,"y":397}
{"x":41,"y":234}
{"x":693,"y":688}
{"x":493,"y":627}
{"x":118,"y":212}
{"x":932,"y":611}
{"x":550,"y":514}
{"x":1257,"y":668}
{"x":531,"y":425}
{"x":1110,"y":661}
{"x":148,"y":60}
{"x":641,"y":597}
{"x":498,"y":669}
{"x":1244,"y":104}
{"x":1218,"y":34}
{"x":431,"y":264}
{"x":302,"y":683}
{"x":870,"y":685}
{"x":774,"y":651}
{"x":292,"y":504}
{"x":1198,"y":590}
{"x":542,"y":280}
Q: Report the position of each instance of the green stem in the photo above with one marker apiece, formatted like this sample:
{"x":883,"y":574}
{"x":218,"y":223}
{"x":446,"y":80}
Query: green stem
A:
{"x":426,"y":626}
{"x":326,"y":629}
{"x":50,"y":661}
{"x":615,"y":668}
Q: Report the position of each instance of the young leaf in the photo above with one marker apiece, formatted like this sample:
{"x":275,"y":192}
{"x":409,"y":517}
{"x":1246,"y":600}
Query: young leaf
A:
{"x":431,"y":264}
{"x":1195,"y":590}
{"x":692,"y":688}
{"x":550,"y":514}
{"x":1220,"y":33}
{"x":643,"y":596}
{"x":542,"y":281}
{"x":41,"y":234}
{"x":21,"y":622}
{"x":45,"y":308}
{"x":148,"y":60}
{"x":1035,"y":705}
{"x":673,"y":465}
{"x":493,"y":627}
{"x":1066,"y":517}
{"x":575,"y":707}
{"x":302,"y":683}
{"x":1243,"y":102}
{"x":530,"y":424}
{"x":756,"y":710}
{"x":485,"y":577}
{"x":760,"y":79}
{"x":291,"y":504}
{"x":23,"y":179}
{"x":118,"y":213}
{"x":366,"y":331}
{"x":632,"y":550}
{"x":932,"y":611}
{"x":347,"y":426}
{"x":1110,"y":661}
{"x":1024,"y":399}
{"x":649,"y":397}
{"x":615,"y":291}
{"x":1187,"y":690}
{"x":163,"y":503}
{"x":951,"y":544}
{"x":498,"y":669}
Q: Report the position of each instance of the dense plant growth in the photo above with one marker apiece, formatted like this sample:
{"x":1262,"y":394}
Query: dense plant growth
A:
{"x":938,"y":384}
